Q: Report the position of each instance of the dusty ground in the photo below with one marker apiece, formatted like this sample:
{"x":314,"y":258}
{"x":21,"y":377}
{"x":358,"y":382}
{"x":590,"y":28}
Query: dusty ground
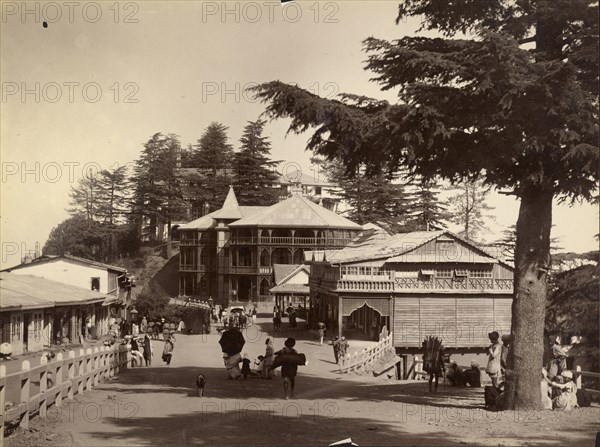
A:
{"x":158,"y":406}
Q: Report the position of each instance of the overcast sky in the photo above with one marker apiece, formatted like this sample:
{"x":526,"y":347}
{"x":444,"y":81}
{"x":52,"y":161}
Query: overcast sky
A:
{"x":101,"y":78}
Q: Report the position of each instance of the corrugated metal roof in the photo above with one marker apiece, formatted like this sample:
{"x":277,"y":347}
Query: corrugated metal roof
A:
{"x":31,"y":291}
{"x":296,"y":212}
{"x":208,"y":221}
{"x":281,"y":271}
{"x":465,"y":256}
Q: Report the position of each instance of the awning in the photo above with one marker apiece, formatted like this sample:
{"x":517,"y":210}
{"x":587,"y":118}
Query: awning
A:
{"x":110,"y":300}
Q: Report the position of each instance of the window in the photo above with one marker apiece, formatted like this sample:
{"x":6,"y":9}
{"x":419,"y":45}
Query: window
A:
{"x":461,"y":272}
{"x":96,"y":284}
{"x":480,"y":273}
{"x":426,"y":272}
{"x":443,"y":273}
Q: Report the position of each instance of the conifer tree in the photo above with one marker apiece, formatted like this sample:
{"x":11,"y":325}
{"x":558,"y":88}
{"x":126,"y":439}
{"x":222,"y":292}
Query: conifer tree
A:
{"x":254,"y":171}
{"x":523,"y":118}
{"x":213,"y":156}
{"x":429,"y":211}
{"x":469,"y":207}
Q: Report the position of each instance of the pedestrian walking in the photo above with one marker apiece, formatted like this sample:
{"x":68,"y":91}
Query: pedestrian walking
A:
{"x":336,"y":349}
{"x":148,"y":350}
{"x":288,"y":370}
{"x":322,"y":329}
{"x":254,"y":313}
{"x":343,"y":348}
{"x":167,"y":354}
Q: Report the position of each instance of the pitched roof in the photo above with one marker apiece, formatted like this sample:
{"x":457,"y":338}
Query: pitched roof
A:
{"x":230,"y":208}
{"x":67,"y":257}
{"x":27,"y":291}
{"x":295,"y":212}
{"x":208,"y":221}
{"x":292,"y":289}
{"x":398,"y":248}
{"x":283,"y":272}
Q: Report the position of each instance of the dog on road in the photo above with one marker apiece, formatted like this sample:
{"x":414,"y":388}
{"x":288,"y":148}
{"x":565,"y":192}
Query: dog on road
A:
{"x":200,"y":383}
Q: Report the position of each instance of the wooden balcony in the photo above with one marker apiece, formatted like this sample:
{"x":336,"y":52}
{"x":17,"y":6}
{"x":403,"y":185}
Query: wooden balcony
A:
{"x":387,"y":282}
{"x":249,"y":270}
{"x":291,"y":241}
{"x":196,"y":268}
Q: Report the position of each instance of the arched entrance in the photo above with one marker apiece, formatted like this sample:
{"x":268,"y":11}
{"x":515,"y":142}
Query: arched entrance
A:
{"x":281,"y":256}
{"x":365,"y":322}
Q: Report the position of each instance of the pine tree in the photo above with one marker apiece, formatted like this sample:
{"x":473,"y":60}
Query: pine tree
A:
{"x":85,"y":197}
{"x":429,"y":212}
{"x":525,"y":119}
{"x":213,"y":156}
{"x":157,"y":195}
{"x":371,"y":196}
{"x":254,"y":171}
{"x":114,"y":195}
{"x":469,"y":207}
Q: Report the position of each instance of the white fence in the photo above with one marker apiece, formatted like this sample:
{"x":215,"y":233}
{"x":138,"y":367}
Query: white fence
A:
{"x":363,"y":361}
{"x":60,"y":378}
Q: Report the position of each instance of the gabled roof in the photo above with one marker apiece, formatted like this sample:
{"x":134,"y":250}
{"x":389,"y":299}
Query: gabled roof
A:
{"x":208,"y":221}
{"x":66,"y":257}
{"x":295,"y":212}
{"x":231,"y":208}
{"x":27,"y":291}
{"x":283,"y":272}
{"x":399,"y":248}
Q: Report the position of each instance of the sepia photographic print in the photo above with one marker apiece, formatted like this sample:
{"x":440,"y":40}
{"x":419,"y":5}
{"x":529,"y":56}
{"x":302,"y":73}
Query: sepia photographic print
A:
{"x":297,"y":223}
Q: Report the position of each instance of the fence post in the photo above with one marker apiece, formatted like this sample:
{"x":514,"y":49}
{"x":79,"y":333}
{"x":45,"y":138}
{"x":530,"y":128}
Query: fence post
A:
{"x":80,"y":371}
{"x":89,"y":369}
{"x":578,"y":382}
{"x":71,"y":390}
{"x":96,"y":366}
{"x":25,"y":389}
{"x":58,"y":378}
{"x":2,"y":401}
{"x":44,"y":386}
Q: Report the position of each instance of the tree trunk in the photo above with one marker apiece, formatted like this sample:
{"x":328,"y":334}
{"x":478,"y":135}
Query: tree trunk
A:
{"x":532,"y":262}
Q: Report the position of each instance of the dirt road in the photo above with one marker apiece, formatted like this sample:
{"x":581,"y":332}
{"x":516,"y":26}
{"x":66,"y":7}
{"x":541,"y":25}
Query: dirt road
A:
{"x":158,"y":406}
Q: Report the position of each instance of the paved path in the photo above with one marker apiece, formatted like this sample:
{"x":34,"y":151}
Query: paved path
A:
{"x":158,"y":406}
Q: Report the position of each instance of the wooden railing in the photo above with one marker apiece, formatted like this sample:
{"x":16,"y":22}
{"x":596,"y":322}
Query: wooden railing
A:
{"x":286,"y":240}
{"x":364,"y":360}
{"x":59,"y":379}
{"x":381,"y":282}
{"x":580,"y":374}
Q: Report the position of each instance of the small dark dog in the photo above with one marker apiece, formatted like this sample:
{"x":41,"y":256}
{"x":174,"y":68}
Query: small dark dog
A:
{"x":200,"y":382}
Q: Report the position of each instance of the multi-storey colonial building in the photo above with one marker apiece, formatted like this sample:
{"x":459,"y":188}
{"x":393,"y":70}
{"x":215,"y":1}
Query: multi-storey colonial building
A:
{"x":414,"y":284}
{"x":229,"y":254}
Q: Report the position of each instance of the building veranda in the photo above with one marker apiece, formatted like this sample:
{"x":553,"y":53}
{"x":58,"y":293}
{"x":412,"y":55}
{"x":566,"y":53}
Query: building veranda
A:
{"x":229,"y":254}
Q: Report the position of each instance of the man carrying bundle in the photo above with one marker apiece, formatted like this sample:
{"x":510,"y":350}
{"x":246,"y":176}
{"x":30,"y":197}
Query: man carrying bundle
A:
{"x":289,"y":359}
{"x":433,"y":360}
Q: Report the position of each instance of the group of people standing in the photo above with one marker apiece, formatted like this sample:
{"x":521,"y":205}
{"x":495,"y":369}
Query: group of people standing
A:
{"x":142,"y":350}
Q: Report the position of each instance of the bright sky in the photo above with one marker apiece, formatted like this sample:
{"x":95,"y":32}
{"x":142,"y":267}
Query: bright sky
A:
{"x":101,"y":78}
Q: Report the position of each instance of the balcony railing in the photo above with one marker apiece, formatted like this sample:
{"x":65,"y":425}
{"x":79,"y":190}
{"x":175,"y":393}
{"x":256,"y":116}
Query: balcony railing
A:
{"x":382,"y":283}
{"x":310,"y":241}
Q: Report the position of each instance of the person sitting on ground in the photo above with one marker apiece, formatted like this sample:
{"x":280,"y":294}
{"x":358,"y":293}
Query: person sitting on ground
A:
{"x":455,"y":375}
{"x":472,"y":376}
{"x":567,"y":399}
